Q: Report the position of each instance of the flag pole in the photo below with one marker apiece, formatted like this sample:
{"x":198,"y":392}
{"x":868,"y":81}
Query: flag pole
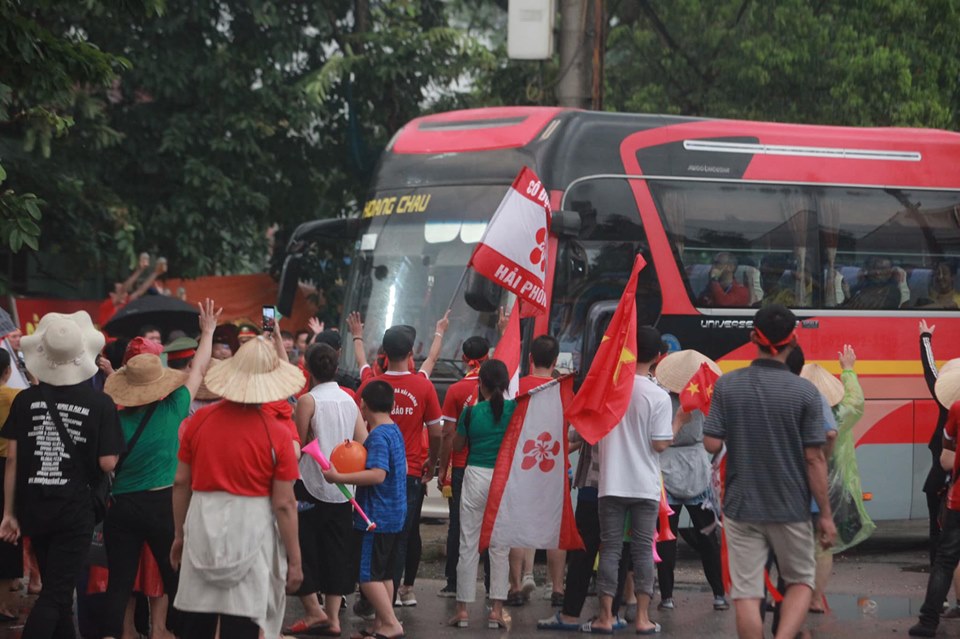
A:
{"x":456,"y":291}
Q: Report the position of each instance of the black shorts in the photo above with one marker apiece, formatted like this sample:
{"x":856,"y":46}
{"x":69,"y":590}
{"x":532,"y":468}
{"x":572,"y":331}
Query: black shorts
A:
{"x":326,"y":541}
{"x":376,"y":555}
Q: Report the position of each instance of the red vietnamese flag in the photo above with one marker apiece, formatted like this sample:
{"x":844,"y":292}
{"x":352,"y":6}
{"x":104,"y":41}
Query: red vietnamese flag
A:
{"x":698,"y":392}
{"x":508,"y":349}
{"x":513,"y":250}
{"x":605,"y":393}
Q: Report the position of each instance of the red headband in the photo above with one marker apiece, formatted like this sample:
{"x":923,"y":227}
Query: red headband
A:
{"x":474,"y":364}
{"x":175,"y":355}
{"x":763,"y":340}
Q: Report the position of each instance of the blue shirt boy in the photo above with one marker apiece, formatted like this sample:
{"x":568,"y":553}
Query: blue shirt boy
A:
{"x":384,"y":503}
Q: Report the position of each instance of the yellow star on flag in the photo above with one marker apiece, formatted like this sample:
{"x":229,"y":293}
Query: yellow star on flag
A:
{"x":693,"y":388}
{"x":626,"y":357}
{"x":709,"y":391}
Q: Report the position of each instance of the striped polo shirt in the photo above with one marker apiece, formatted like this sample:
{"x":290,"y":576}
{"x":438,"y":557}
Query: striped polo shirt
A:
{"x":766,"y":415}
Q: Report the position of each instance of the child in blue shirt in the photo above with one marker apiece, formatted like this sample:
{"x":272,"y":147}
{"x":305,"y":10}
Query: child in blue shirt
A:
{"x":381,"y":493}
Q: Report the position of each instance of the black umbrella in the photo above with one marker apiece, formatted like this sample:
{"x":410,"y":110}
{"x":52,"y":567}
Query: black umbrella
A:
{"x":166,"y":313}
{"x":6,"y":324}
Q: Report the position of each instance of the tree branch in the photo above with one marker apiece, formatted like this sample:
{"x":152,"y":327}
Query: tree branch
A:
{"x":667,"y":39}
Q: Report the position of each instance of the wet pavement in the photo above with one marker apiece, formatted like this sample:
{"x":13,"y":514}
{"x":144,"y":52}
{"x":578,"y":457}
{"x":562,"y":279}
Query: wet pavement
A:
{"x":875,"y":591}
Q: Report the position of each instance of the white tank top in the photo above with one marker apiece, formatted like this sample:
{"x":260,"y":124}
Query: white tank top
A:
{"x":334,"y":418}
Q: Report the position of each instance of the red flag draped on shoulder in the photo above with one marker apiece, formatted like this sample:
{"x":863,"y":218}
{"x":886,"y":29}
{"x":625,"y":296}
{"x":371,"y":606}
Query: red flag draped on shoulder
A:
{"x":508,"y":349}
{"x":605,"y":394}
{"x":698,"y":392}
{"x":513,"y":250}
{"x":529,"y":504}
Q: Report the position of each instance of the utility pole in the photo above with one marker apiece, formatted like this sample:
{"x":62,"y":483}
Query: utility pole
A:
{"x":576,"y":45}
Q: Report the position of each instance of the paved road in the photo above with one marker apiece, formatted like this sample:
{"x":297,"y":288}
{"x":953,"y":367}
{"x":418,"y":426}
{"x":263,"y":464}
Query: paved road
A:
{"x":887,"y":569}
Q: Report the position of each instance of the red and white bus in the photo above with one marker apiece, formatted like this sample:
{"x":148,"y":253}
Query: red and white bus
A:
{"x":856,"y":229}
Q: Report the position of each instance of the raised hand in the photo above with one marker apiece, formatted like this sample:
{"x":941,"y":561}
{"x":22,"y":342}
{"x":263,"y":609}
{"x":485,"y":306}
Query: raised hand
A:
{"x":209,"y":318}
{"x":847,"y":358}
{"x":354,"y":325}
{"x":315,"y":325}
{"x":926,"y":328}
{"x":502,"y":320}
{"x":443,"y":323}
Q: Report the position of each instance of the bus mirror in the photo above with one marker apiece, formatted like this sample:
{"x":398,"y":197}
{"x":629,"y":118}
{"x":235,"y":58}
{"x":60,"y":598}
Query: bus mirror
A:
{"x":289,"y":280}
{"x":481,"y":294}
{"x":565,"y":223}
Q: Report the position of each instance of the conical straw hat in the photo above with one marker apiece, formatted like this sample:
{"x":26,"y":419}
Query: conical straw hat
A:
{"x":255,"y":375}
{"x":828,"y":385}
{"x":142,"y":381}
{"x":203,"y":393}
{"x":675,"y":370}
{"x":952,"y":365}
{"x":947,"y":388}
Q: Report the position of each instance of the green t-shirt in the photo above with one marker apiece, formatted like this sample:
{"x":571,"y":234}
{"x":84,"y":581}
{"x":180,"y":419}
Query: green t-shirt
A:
{"x":153,"y":462}
{"x":485,"y":433}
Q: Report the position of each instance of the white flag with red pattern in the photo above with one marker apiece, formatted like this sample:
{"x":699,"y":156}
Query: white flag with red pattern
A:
{"x":513,"y":250}
{"x":529,"y":502}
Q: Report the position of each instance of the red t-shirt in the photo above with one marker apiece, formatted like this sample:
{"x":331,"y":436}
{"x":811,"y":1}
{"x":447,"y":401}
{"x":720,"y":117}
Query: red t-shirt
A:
{"x":950,"y":432}
{"x":227,"y":448}
{"x":460,"y":394}
{"x":415,"y":405}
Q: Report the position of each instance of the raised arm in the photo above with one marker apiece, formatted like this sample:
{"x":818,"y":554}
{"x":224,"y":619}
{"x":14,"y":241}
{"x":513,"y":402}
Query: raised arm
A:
{"x":158,"y":270}
{"x":355,"y":326}
{"x":853,"y":403}
{"x":142,"y":264}
{"x":427,"y":367}
{"x":926,"y":356}
{"x":208,"y":324}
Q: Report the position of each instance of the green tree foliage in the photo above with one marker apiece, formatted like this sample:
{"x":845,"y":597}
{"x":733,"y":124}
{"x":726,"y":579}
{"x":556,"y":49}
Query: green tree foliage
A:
{"x":871,"y":63}
{"x":48,"y":66}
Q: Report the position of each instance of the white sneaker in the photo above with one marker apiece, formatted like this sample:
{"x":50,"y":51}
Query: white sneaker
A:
{"x":527,"y":586}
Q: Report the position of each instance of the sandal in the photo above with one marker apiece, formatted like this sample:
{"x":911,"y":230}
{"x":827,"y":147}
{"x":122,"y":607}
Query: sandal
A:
{"x":557,"y":623}
{"x":459,"y":622}
{"x":650,"y":631}
{"x":499,"y":623}
{"x":515,"y":599}
{"x":301,"y":627}
{"x":590,"y":629}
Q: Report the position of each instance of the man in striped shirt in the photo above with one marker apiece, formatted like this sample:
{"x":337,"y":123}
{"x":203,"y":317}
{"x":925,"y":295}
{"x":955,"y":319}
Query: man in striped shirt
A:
{"x":771,"y":422}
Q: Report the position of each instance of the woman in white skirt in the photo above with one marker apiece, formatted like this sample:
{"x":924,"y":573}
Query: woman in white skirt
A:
{"x":234,"y":508}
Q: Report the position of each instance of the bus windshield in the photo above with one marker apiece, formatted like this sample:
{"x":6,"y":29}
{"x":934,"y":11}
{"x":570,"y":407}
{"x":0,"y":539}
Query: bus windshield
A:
{"x":411,"y":252}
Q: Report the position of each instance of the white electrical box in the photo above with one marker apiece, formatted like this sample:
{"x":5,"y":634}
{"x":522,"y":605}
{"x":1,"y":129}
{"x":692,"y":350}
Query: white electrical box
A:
{"x":530,"y":29}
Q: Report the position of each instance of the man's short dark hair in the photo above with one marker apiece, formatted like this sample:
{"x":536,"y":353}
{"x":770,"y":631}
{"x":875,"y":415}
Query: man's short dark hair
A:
{"x":302,"y":331}
{"x":776,"y":322}
{"x":148,"y":328}
{"x":476,"y":347}
{"x":648,"y":344}
{"x":796,"y":360}
{"x":398,"y":342}
{"x":4,"y":360}
{"x":322,"y":361}
{"x":378,"y":396}
{"x":544,"y":351}
{"x":286,"y":334}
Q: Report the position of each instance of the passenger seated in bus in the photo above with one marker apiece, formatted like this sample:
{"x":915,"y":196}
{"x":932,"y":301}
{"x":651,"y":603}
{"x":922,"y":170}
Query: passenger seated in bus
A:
{"x":772,"y":269}
{"x":723,"y":288}
{"x":879,"y":286}
{"x":942,"y":291}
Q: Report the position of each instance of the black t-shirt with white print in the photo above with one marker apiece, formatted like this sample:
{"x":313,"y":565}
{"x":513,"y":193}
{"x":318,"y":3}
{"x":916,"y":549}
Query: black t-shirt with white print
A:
{"x":48,"y":481}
